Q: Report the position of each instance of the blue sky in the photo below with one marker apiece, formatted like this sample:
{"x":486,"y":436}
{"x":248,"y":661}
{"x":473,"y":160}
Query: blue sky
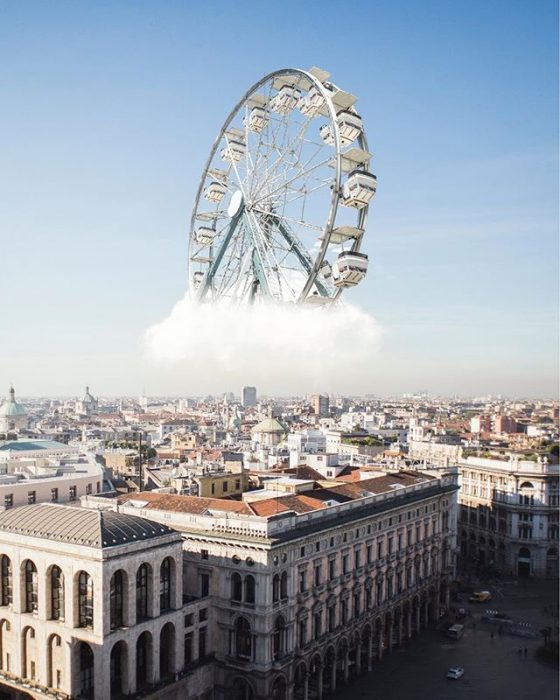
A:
{"x":109,"y":110}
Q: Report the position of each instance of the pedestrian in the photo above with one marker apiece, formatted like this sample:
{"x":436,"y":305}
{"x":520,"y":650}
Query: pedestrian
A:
{"x":491,"y":635}
{"x":525,"y":652}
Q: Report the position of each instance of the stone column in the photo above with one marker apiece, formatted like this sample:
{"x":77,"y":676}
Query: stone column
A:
{"x":391,"y":637}
{"x":320,"y":685}
{"x":155,"y":657}
{"x":101,"y":675}
{"x":400,"y":631}
{"x":333,"y":677}
{"x":346,"y":667}
{"x":380,"y":645}
{"x":418,"y":618}
{"x":130,"y":611}
{"x":426,"y":613}
{"x":409,"y":623}
{"x":359,"y":659}
{"x":369,"y":653}
{"x":306,"y":687}
{"x":131,"y":668}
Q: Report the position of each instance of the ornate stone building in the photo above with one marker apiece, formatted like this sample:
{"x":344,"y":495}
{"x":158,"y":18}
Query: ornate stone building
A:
{"x":91,"y":606}
{"x":509,"y":515}
{"x":312,"y":588}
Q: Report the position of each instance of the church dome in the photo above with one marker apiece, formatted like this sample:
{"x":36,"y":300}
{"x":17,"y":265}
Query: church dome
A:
{"x":11,"y":407}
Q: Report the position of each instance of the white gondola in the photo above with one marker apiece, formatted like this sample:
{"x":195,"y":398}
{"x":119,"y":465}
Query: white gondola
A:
{"x":233,"y":152}
{"x":311,"y":104}
{"x":325,"y":270}
{"x":215,"y":192}
{"x":197,"y":279}
{"x":327,"y":134}
{"x":359,"y":189}
{"x":205,"y":235}
{"x":349,"y":269}
{"x":349,"y":126}
{"x":257,"y":119}
{"x":286,"y":100}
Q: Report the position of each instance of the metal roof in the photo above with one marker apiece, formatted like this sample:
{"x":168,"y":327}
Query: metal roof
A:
{"x":81,"y":526}
{"x":29,"y":445}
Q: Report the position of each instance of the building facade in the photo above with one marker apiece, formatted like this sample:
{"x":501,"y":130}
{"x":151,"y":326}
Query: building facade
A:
{"x":92,"y":606}
{"x":509,"y":516}
{"x":309,"y":590}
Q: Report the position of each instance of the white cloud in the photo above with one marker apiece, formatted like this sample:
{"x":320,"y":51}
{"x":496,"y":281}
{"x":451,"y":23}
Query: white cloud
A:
{"x":283,"y":349}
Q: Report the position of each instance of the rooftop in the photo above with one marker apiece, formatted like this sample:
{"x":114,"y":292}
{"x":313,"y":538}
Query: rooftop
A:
{"x":81,"y":526}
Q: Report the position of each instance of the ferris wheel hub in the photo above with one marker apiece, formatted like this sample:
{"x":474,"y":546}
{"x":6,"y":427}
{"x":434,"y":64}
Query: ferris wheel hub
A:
{"x":235,"y":203}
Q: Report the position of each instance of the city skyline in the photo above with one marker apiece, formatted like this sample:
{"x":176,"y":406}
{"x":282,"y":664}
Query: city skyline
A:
{"x":106,"y":129}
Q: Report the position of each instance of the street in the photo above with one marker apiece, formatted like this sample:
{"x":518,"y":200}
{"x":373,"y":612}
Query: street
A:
{"x":493,"y":667}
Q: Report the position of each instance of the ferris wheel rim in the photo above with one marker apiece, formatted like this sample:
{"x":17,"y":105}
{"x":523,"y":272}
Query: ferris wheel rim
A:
{"x":327,"y":229}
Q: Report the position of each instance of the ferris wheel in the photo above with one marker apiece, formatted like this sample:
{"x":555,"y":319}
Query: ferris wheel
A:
{"x":282,"y":204}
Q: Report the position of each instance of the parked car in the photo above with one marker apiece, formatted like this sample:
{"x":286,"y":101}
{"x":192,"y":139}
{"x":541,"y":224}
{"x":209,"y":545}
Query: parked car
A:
{"x":480,"y":597}
{"x":455,"y":673}
{"x":455,"y":631}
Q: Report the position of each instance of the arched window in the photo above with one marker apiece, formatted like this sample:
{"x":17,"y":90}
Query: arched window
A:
{"x":275,"y":588}
{"x":236,"y":588}
{"x":279,"y":689}
{"x":86,"y":670}
{"x":31,"y":587}
{"x":119,"y":654}
{"x":166,"y":650}
{"x":284,"y":585}
{"x":142,"y":587}
{"x":279,"y":638}
{"x":57,"y":593}
{"x":241,"y":690}
{"x":165,"y":585}
{"x":143,"y":659}
{"x":6,"y":582}
{"x":116,"y":600}
{"x":243,"y":639}
{"x":249,"y":589}
{"x":85,"y":600}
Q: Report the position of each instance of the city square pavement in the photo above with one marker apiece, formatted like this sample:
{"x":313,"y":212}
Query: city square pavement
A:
{"x":493,"y":667}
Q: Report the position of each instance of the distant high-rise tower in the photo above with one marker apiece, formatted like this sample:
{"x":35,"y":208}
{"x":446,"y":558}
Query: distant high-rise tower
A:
{"x":320,"y":404}
{"x":249,"y":396}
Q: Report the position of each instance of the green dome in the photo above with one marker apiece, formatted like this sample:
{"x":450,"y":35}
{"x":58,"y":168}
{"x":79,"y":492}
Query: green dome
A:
{"x":11,"y":407}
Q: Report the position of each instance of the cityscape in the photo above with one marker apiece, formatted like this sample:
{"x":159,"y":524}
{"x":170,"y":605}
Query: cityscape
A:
{"x":279,"y":379}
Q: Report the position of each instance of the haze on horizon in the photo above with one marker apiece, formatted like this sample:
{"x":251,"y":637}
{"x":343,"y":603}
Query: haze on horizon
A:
{"x":109,"y":112}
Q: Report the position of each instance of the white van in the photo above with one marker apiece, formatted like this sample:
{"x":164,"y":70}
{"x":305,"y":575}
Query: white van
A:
{"x":455,"y":631}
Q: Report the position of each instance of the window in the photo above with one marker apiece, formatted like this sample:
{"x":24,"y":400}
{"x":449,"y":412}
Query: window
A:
{"x":188,"y":648}
{"x":165,"y":585}
{"x":317,"y":574}
{"x":116,"y":600}
{"x":31,"y":587}
{"x":237,"y":484}
{"x":302,"y":582}
{"x":302,"y":551}
{"x":332,"y":569}
{"x":279,"y":638}
{"x":57,"y":594}
{"x":389,"y":545}
{"x":345,"y":568}
{"x":237,"y":588}
{"x":357,"y":559}
{"x":243,"y":639}
{"x":6,"y":574}
{"x":317,"y":546}
{"x":317,"y":626}
{"x":204,"y":585}
{"x":204,"y":554}
{"x":379,"y":549}
{"x":202,"y":643}
{"x":213,"y":489}
{"x":344,"y":611}
{"x":89,"y":489}
{"x":31,"y":497}
{"x":284,"y":585}
{"x":73,"y":493}
{"x":249,"y":589}
{"x":85,"y":600}
{"x":142,"y":579}
{"x":224,"y":486}
{"x":54,"y":497}
{"x":203,"y":615}
{"x":189,"y":620}
{"x":8,"y":500}
{"x":369,"y":553}
{"x":302,"y":632}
